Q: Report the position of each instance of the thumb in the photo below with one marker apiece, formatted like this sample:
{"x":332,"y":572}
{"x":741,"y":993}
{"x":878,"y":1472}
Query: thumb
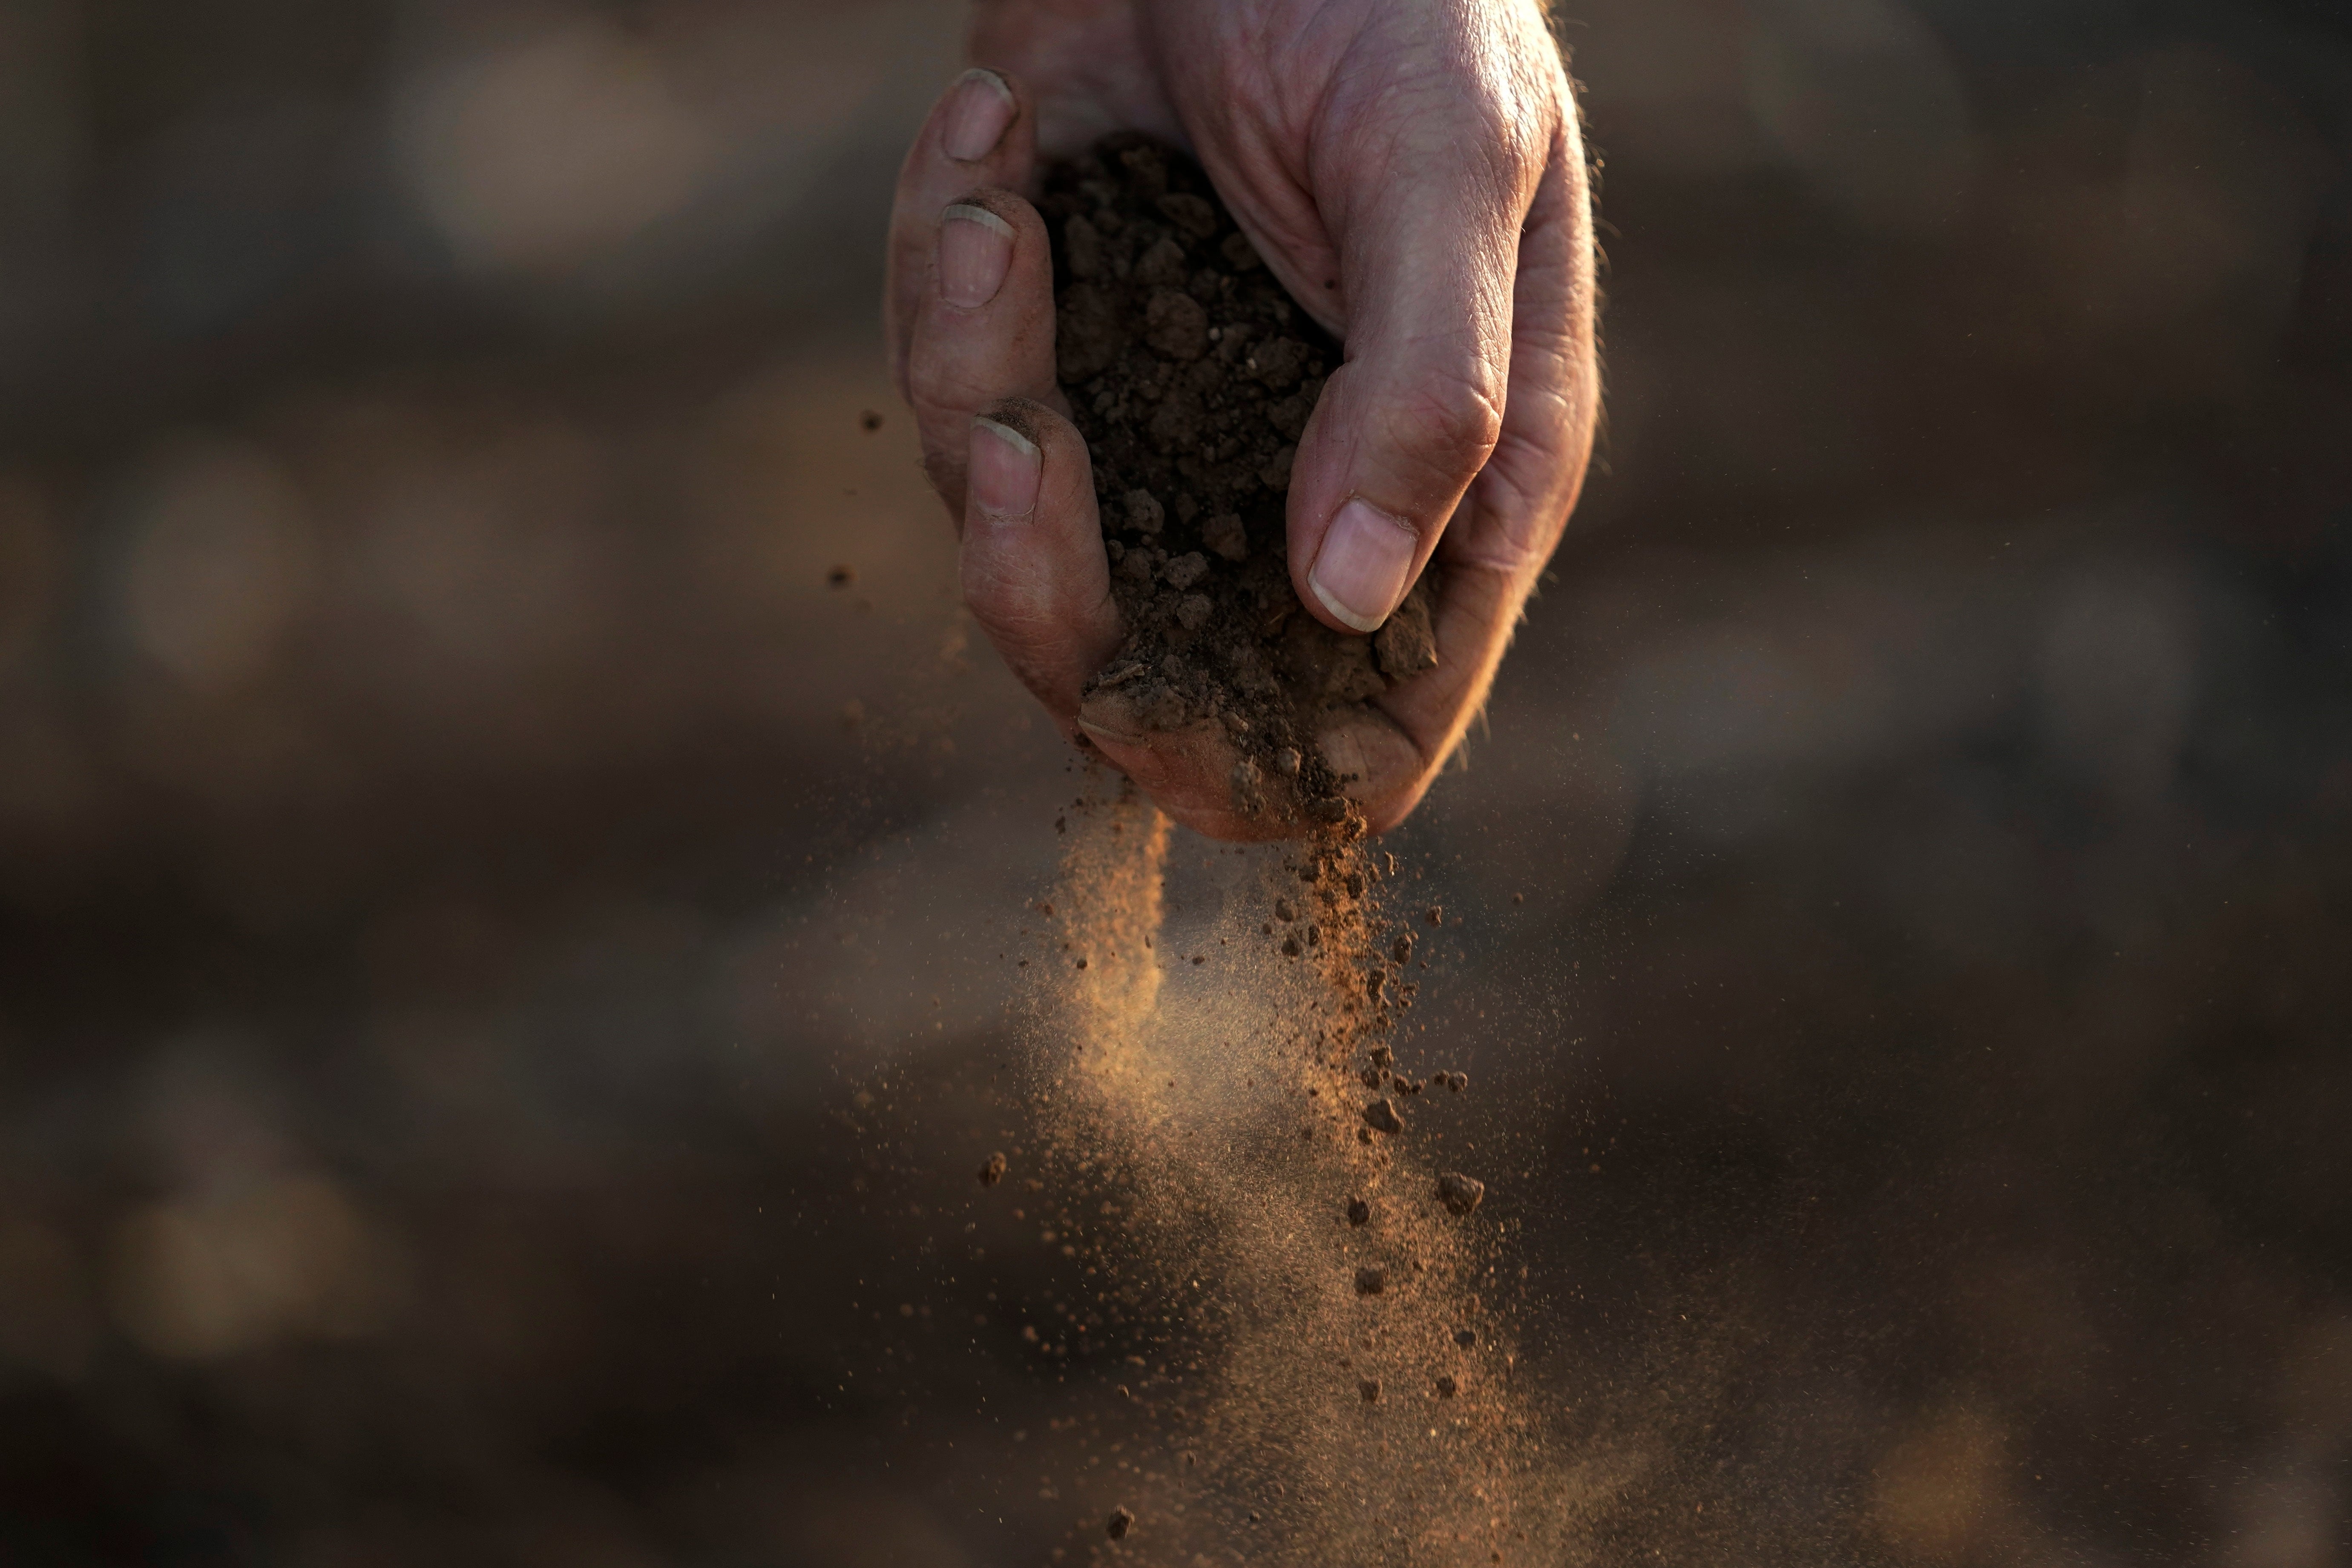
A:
{"x":1425,"y":216}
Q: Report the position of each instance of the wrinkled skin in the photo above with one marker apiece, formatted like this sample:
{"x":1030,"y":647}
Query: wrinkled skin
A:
{"x":1411,"y":171}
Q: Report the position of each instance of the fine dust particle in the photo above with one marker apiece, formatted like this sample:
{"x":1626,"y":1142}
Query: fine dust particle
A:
{"x":1519,"y":898}
{"x":1119,"y":1524}
{"x":1466,"y":1338}
{"x":869,"y":421}
{"x":1358,"y":1211}
{"x":1460,"y":1194}
{"x":1371,"y":1281}
{"x":1381,"y":1117}
{"x":993,"y":1171}
{"x":1448,"y":1388}
{"x":1436,"y":916}
{"x":1369,"y":1388}
{"x":841,"y":576}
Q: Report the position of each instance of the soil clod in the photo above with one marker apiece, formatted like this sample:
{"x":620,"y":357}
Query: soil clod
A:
{"x":1381,"y":1116}
{"x":1371,"y":1281}
{"x":1448,"y":1388}
{"x":1370,"y":1387}
{"x":1460,"y":1194}
{"x":1121,"y":1520}
{"x":993,"y":1171}
{"x":1358,"y":1211}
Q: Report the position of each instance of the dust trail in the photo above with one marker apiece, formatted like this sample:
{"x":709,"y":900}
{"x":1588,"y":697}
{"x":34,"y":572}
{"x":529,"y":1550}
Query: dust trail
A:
{"x":1354,"y":1393}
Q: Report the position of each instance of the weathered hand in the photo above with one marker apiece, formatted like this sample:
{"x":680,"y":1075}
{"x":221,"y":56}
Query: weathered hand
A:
{"x":1411,"y":171}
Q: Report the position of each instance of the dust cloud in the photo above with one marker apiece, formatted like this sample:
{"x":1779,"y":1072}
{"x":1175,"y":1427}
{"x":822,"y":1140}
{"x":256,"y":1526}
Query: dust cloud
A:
{"x":1284,"y":1218}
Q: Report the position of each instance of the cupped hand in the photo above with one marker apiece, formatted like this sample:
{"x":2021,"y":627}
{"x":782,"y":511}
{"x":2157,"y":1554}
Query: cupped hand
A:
{"x":1410,"y":170}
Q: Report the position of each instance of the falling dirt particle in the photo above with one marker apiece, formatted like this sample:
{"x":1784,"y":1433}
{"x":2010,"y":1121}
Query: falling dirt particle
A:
{"x":1045,"y":909}
{"x":1448,"y":1388}
{"x":1370,"y":1387}
{"x":1290,"y":947}
{"x":1287,"y":761}
{"x":841,"y":576}
{"x":1119,"y":1524}
{"x":1082,"y":964}
{"x":1358,"y":1211}
{"x":1371,"y":1077}
{"x":1285,"y":910}
{"x":993,"y":1172}
{"x":1382,"y":1057}
{"x":1466,"y":1338}
{"x":1401,"y":950}
{"x":1363,"y":1134}
{"x":1125,"y":1391}
{"x":1371,"y":1281}
{"x":1519,"y":898}
{"x":1381,"y":1117}
{"x":869,"y":421}
{"x":1436,"y":916}
{"x":1460,"y":1194}
{"x":1354,"y":882}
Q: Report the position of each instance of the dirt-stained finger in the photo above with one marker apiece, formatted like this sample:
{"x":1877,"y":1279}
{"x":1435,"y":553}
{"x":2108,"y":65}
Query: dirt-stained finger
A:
{"x":1034,"y":571}
{"x":980,"y":133}
{"x":983,"y":329}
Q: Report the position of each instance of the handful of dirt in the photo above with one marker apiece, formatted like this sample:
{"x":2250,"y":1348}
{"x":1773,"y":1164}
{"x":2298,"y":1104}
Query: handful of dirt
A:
{"x":1191,"y":376}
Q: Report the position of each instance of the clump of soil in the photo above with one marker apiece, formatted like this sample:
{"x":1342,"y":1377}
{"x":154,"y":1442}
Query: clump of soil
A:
{"x":1461,"y":1195}
{"x":1191,"y":375}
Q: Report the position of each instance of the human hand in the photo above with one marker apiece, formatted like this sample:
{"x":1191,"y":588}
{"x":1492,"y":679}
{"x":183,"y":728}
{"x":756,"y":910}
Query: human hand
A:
{"x":1411,"y":170}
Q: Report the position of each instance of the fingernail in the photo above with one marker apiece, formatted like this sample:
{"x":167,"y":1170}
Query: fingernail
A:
{"x":1359,"y":576}
{"x":983,"y":106}
{"x":975,"y":248}
{"x":1004,"y":468}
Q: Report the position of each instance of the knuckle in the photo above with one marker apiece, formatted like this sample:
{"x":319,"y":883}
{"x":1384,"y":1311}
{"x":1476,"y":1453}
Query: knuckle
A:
{"x":1446,"y":426}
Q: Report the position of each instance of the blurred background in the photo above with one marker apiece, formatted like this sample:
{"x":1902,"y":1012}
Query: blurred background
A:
{"x":507,"y":844}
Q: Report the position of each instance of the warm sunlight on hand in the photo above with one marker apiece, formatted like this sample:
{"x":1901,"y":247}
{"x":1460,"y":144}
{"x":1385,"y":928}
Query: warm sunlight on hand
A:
{"x":1410,"y":170}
